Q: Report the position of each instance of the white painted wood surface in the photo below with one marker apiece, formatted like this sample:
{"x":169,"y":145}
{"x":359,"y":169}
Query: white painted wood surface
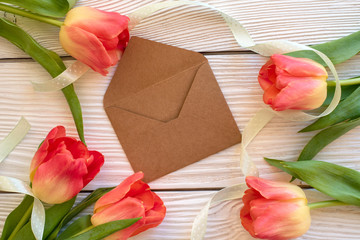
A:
{"x":335,"y":223}
{"x":194,"y":28}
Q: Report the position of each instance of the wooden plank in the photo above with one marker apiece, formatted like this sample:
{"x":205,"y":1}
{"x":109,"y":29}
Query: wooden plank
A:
{"x":237,"y":76}
{"x":199,"y":29}
{"x":335,"y":223}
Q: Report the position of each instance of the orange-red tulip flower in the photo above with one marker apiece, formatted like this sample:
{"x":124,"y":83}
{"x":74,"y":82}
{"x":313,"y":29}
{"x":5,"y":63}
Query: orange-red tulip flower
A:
{"x":94,"y":37}
{"x":62,"y":166}
{"x":293,"y":83}
{"x":131,"y":199}
{"x":274,"y":210}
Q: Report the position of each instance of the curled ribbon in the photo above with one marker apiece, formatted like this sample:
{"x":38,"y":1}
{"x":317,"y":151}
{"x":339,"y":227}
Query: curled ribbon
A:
{"x":262,"y":117}
{"x":67,"y":77}
{"x":9,"y":184}
{"x":14,"y":138}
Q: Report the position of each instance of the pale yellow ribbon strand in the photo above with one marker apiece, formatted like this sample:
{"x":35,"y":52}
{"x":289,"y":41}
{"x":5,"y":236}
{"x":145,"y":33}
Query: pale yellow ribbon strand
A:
{"x":67,"y":77}
{"x":9,"y":184}
{"x":262,"y":117}
{"x":14,"y":138}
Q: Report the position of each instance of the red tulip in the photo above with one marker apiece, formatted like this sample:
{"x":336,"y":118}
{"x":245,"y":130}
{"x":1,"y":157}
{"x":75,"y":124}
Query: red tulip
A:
{"x":293,"y":83}
{"x":94,"y":37}
{"x":62,"y":166}
{"x":131,"y":199}
{"x":274,"y":210}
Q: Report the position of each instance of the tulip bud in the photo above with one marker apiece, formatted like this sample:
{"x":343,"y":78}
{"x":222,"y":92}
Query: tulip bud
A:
{"x":274,"y":210}
{"x":62,"y":166}
{"x":131,"y":199}
{"x":94,"y":37}
{"x":293,"y":83}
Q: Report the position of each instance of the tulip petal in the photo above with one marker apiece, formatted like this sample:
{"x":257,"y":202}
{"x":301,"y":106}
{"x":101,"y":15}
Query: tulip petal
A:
{"x":85,"y":47}
{"x":153,"y":217}
{"x":94,"y":163}
{"x":267,"y":75}
{"x":41,"y":153}
{"x":124,"y":209}
{"x":124,"y":37}
{"x":284,"y":220}
{"x":120,"y":191}
{"x":77,"y":148}
{"x":273,"y":189}
{"x":302,"y":95}
{"x":147,"y":199}
{"x":105,"y":25}
{"x":59,"y":179}
{"x":110,"y":44}
{"x":284,"y":79}
{"x":298,"y":67}
{"x":245,"y":216}
{"x":270,"y":94}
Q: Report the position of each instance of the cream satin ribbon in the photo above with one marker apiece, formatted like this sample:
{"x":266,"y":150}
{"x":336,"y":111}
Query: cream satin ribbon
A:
{"x":9,"y":184}
{"x":67,"y":77}
{"x":261,"y":118}
{"x":13,"y":138}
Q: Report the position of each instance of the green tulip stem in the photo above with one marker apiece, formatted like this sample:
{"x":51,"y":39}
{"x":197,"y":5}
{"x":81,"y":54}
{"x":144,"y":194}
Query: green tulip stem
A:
{"x":17,"y":11}
{"x":329,"y":203}
{"x":22,"y":222}
{"x":347,"y":82}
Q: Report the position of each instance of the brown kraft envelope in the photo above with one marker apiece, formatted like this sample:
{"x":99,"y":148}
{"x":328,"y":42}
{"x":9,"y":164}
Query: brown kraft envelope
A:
{"x":167,"y":109}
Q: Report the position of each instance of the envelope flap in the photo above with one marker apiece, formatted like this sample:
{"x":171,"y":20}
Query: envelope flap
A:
{"x":163,"y":100}
{"x":145,"y":63}
{"x":203,"y":91}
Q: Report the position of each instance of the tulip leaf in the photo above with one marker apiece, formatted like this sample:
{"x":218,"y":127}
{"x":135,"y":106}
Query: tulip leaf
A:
{"x":326,"y":136}
{"x":51,"y":8}
{"x":345,"y":92}
{"x":347,"y":109}
{"x":337,"y":51}
{"x":76,"y":227}
{"x":92,"y":198}
{"x":338,"y":182}
{"x":53,"y":216}
{"x":49,"y":60}
{"x":18,"y":217}
{"x":104,"y":230}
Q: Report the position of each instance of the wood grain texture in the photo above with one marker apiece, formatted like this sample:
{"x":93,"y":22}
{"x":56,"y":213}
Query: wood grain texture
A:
{"x":236,"y":75}
{"x":335,"y":223}
{"x":194,"y":28}
{"x":199,"y":29}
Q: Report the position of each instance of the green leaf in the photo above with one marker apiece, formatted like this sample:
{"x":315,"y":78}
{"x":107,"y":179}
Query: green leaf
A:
{"x":51,"y":8}
{"x":49,"y":60}
{"x":103,"y":230}
{"x":18,"y":217}
{"x":338,"y":182}
{"x":347,"y":109}
{"x":345,"y":92}
{"x":76,"y":227}
{"x":53,"y":216}
{"x":92,"y":198}
{"x":323,"y":138}
{"x":338,"y":50}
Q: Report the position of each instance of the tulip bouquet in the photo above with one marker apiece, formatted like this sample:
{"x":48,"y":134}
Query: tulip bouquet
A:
{"x":62,"y":165}
{"x":297,"y":81}
{"x":60,"y":168}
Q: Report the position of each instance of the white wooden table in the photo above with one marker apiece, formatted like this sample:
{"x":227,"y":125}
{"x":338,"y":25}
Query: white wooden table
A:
{"x":187,"y":190}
